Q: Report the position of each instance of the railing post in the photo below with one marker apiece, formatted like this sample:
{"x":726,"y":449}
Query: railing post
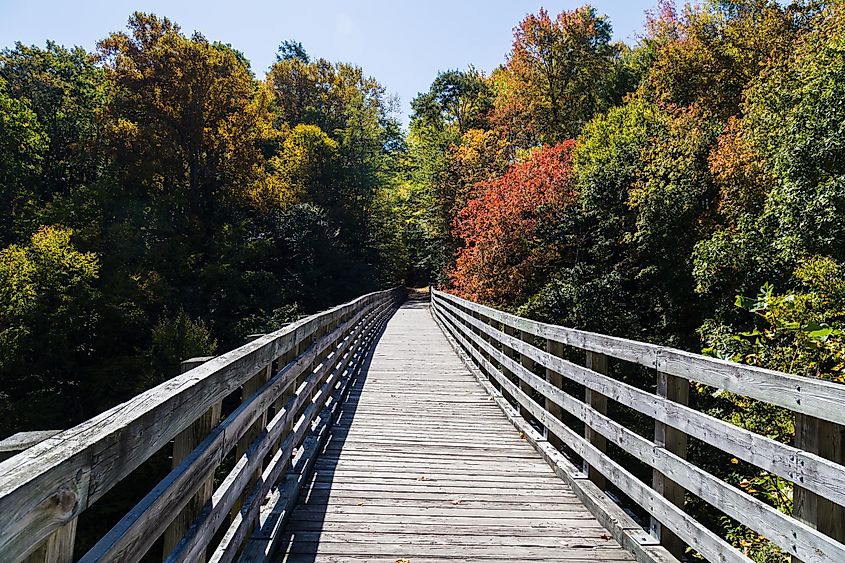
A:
{"x":675,"y":389}
{"x":506,"y":372}
{"x":528,"y":364}
{"x":555,"y":349}
{"x":183,"y":444}
{"x":58,"y":547}
{"x":598,"y":363}
{"x":487,"y":339}
{"x":248,"y":390}
{"x":826,"y":439}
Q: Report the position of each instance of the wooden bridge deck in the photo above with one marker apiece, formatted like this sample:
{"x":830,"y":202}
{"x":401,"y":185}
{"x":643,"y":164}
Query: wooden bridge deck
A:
{"x":423,"y":466}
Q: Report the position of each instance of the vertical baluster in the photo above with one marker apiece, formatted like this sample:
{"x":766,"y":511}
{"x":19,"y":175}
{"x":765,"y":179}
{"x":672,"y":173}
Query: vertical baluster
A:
{"x":827,"y":439}
{"x":528,"y":364}
{"x":675,"y":389}
{"x":183,"y":444}
{"x":556,"y":349}
{"x":58,"y":547}
{"x":248,"y":390}
{"x":598,"y":363}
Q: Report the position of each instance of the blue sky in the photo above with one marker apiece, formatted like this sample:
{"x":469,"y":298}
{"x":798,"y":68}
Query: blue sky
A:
{"x":403,"y":44}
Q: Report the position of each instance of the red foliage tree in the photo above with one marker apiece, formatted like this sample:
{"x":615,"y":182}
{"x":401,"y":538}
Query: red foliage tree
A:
{"x":505,"y":254}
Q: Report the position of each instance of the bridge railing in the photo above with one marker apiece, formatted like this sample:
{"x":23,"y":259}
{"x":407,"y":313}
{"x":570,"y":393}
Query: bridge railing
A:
{"x":531,"y":365}
{"x":238,"y":423}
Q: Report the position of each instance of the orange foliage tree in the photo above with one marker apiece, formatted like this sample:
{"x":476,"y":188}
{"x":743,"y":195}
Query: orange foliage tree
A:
{"x":506,"y":251}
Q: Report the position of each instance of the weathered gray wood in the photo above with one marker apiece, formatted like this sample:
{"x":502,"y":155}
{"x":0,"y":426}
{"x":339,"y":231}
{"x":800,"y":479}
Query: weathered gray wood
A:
{"x":273,"y":515}
{"x":794,"y":537}
{"x":135,"y":533}
{"x":249,"y":389}
{"x":598,"y":363}
{"x":414,"y":354}
{"x":555,"y":379}
{"x":86,"y":461}
{"x":673,"y":389}
{"x":815,"y":397}
{"x":58,"y":547}
{"x":814,"y":472}
{"x":703,"y":540}
{"x":237,"y":479}
{"x":23,"y":440}
{"x":621,"y":526}
{"x":183,"y":445}
{"x":326,"y":398}
{"x":827,"y":440}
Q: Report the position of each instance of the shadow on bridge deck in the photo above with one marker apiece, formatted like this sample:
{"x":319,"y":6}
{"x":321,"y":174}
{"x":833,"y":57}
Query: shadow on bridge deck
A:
{"x":422,"y":466}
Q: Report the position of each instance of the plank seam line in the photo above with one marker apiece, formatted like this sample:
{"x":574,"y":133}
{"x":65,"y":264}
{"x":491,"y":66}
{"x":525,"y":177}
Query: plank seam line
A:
{"x":593,"y":499}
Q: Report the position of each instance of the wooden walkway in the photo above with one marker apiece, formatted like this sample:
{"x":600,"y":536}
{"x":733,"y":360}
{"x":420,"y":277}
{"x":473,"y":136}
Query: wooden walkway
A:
{"x":423,"y":466}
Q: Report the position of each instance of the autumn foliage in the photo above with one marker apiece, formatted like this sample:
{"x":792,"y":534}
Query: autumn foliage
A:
{"x":504,"y":254}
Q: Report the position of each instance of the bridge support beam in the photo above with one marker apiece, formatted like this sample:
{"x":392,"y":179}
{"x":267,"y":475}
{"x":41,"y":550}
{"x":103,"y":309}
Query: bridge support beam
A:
{"x":675,"y":389}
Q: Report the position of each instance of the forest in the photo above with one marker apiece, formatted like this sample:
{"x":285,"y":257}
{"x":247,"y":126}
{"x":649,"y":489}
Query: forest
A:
{"x":162,"y":200}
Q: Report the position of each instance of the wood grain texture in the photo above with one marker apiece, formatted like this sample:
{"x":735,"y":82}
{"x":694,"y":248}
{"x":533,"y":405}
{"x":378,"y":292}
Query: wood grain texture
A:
{"x":813,"y":472}
{"x":89,"y":459}
{"x":695,"y":534}
{"x":816,"y":397}
{"x":421,"y":464}
{"x":791,"y":535}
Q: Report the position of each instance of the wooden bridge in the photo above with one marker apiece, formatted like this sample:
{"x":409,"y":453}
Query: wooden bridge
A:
{"x":393,"y":430}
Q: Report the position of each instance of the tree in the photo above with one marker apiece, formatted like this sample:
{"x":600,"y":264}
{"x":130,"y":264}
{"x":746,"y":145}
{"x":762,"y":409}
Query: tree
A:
{"x":64,"y":93}
{"x":505,"y":257}
{"x":707,"y":55}
{"x":289,"y":50}
{"x":557,"y":76}
{"x":779,"y":169}
{"x":456,"y":98}
{"x":49,"y":316}
{"x":23,"y":143}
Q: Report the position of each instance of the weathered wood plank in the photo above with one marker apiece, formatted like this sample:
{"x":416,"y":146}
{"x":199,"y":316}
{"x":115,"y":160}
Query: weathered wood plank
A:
{"x":416,"y":460}
{"x":673,"y":389}
{"x":183,"y":445}
{"x":598,"y":363}
{"x":88,"y":460}
{"x":815,"y":397}
{"x":794,"y":537}
{"x":234,"y":483}
{"x":695,"y":534}
{"x":814,"y":472}
{"x":334,"y":383}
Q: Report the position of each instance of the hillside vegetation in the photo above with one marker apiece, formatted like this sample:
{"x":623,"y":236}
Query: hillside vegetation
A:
{"x":162,"y":201}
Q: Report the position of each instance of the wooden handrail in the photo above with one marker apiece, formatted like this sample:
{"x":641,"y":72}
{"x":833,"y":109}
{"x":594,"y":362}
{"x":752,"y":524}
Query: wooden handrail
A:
{"x":285,"y":378}
{"x":489,"y":338}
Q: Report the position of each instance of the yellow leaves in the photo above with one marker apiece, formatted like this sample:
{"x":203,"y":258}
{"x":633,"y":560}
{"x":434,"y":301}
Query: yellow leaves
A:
{"x":297,"y":172}
{"x":54,"y":243}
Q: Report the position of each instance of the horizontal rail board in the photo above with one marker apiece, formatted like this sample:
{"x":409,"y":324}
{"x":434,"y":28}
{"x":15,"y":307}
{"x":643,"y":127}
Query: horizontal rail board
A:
{"x":810,"y":470}
{"x":695,"y":534}
{"x":792,"y":536}
{"x":814,"y":397}
{"x":476,"y":329}
{"x":131,"y":538}
{"x":50,"y":484}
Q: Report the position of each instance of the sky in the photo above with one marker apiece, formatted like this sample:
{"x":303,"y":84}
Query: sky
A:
{"x":401,"y":43}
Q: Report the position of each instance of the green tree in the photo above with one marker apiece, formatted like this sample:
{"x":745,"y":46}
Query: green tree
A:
{"x":557,"y":76}
{"x":49,"y":316}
